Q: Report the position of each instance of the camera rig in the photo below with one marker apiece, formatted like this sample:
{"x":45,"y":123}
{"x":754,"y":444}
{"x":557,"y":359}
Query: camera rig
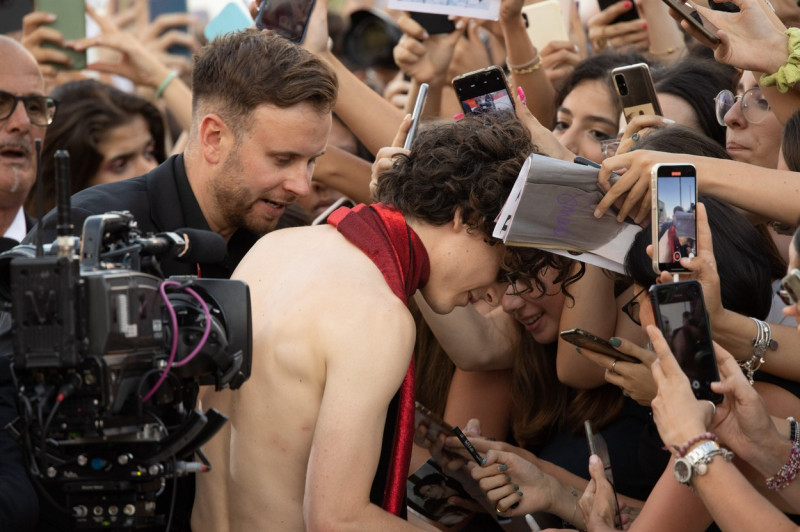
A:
{"x":107,"y":363}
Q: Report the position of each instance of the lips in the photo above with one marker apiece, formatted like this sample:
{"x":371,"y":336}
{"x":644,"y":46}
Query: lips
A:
{"x":15,"y":150}
{"x":733,"y":146}
{"x":531,"y":322}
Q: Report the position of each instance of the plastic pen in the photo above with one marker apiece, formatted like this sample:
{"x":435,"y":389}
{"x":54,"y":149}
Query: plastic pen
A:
{"x":468,"y":445}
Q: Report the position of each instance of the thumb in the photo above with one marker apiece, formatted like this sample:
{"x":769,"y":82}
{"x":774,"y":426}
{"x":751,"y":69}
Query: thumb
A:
{"x":473,"y":427}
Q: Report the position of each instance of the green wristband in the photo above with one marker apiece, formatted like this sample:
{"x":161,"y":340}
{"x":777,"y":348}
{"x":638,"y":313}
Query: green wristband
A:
{"x":788,"y":74}
{"x":165,"y":84}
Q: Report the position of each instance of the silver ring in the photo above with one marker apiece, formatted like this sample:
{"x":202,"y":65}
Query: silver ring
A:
{"x":613,"y":366}
{"x":713,"y":408}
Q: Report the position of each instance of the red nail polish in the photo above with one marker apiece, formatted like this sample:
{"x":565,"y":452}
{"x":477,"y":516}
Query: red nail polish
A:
{"x":521,"y":94}
{"x":458,"y":116}
{"x":628,"y":5}
{"x":644,"y":25}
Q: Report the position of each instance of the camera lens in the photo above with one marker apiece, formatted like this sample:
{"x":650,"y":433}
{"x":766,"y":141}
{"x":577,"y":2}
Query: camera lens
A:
{"x":621,"y":85}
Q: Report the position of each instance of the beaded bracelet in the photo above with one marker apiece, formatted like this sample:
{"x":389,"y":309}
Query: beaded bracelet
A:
{"x":681,"y":450}
{"x":788,"y":74}
{"x":787,"y":473}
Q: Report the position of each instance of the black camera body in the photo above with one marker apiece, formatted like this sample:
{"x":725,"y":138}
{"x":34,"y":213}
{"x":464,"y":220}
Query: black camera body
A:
{"x":107,"y":363}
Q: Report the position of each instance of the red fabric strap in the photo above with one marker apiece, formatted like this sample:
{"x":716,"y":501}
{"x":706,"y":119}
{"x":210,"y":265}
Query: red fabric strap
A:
{"x":382,"y":234}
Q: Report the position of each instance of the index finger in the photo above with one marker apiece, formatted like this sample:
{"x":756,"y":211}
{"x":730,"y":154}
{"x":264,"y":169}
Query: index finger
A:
{"x":609,"y":14}
{"x":666,"y":360}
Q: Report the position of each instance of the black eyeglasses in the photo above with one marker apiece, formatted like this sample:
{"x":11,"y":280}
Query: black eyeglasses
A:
{"x":515,"y":279}
{"x":40,"y":109}
{"x":631,"y":308}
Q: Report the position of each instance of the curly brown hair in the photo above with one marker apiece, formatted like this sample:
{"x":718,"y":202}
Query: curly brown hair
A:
{"x":469,"y":164}
{"x":527,"y":264}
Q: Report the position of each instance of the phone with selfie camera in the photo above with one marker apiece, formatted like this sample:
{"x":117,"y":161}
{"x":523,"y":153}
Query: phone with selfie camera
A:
{"x":688,"y":13}
{"x":681,"y":314}
{"x":483,"y":90}
{"x":434,"y":23}
{"x":287,"y":18}
{"x":635,"y":90}
{"x":674,"y":215}
{"x":587,"y":340}
{"x":71,"y":22}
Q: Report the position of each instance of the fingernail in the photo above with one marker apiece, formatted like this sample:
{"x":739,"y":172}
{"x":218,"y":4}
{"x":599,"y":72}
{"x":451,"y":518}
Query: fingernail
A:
{"x":516,"y":488}
{"x":508,"y":479}
{"x":616,"y":342}
{"x":578,"y":349}
{"x":483,"y":461}
{"x":515,"y":505}
{"x":575,"y":47}
{"x":458,"y":116}
{"x":594,"y":459}
{"x":521,"y":94}
{"x":425,"y":35}
{"x":520,"y":494}
{"x":628,"y":5}
{"x":667,"y":121}
{"x":502,"y":467}
{"x":597,"y":213}
{"x":644,"y":25}
{"x":51,"y":17}
{"x":460,"y":24}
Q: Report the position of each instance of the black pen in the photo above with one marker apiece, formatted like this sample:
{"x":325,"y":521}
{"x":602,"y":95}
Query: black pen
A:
{"x":468,"y":445}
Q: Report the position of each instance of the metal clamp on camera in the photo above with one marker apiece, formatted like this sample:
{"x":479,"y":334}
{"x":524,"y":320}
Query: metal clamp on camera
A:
{"x":107,"y":363}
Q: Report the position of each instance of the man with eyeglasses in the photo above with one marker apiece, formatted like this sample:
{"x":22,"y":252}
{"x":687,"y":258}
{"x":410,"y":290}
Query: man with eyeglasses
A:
{"x":24,"y":115}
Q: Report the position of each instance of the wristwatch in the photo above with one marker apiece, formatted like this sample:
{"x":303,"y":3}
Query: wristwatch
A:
{"x":696,"y":461}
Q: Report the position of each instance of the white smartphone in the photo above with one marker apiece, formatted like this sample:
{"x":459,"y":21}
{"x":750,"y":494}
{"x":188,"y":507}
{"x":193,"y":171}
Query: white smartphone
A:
{"x":674,"y":221}
{"x":544,"y":22}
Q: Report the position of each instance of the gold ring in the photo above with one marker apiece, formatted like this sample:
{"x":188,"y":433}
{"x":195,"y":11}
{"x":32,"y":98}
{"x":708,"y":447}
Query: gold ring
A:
{"x":614,"y":366}
{"x":497,"y":508}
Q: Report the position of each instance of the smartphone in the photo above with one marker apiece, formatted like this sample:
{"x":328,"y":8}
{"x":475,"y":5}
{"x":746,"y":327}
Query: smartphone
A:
{"x":588,"y":340}
{"x":341,"y":202}
{"x":233,"y":17}
{"x":631,"y":14}
{"x":635,"y":90}
{"x":680,"y":313}
{"x":597,"y":446}
{"x":687,"y":12}
{"x":544,"y":22}
{"x":419,"y":105}
{"x":728,"y":7}
{"x":71,"y":22}
{"x":791,"y":283}
{"x":162,"y":7}
{"x":483,"y":90}
{"x":11,"y":13}
{"x":435,"y":424}
{"x":434,"y":23}
{"x":674,"y":221}
{"x":287,"y":18}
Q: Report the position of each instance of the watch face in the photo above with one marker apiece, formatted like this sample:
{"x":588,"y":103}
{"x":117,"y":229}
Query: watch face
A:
{"x":683,"y":471}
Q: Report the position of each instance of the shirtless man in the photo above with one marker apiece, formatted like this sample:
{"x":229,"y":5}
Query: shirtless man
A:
{"x":333,"y":337}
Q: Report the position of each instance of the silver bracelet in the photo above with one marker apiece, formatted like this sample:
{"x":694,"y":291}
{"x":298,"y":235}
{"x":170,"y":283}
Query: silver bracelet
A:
{"x":761,"y":342}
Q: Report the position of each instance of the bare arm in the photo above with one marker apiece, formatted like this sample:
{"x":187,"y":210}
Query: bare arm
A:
{"x":485,"y":395}
{"x":347,"y":173}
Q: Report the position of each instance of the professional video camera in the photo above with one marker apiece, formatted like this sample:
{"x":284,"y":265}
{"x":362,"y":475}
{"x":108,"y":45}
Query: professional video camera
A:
{"x":107,"y":363}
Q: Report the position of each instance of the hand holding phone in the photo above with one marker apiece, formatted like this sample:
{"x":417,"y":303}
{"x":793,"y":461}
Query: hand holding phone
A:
{"x":598,"y":447}
{"x":587,"y":340}
{"x":287,"y":18}
{"x":635,"y":90}
{"x":71,"y":22}
{"x":687,"y":12}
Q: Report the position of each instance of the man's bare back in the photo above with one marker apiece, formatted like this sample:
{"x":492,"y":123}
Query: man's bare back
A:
{"x":324,"y":371}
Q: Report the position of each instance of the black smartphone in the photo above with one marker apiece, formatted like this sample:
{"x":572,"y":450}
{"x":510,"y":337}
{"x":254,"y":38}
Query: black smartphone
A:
{"x":483,"y":90}
{"x":635,"y":90}
{"x":162,"y":7}
{"x":419,"y":105}
{"x":588,"y":340}
{"x":631,"y":14}
{"x":11,"y":13}
{"x":287,"y":18}
{"x":597,"y":446}
{"x":688,"y":13}
{"x":434,"y":23}
{"x":680,"y":313}
{"x":673,"y":216}
{"x":728,"y":7}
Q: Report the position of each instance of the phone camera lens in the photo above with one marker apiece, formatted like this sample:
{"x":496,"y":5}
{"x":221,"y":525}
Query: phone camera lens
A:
{"x":621,"y":85}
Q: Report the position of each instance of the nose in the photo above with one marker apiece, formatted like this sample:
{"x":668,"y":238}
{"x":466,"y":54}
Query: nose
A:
{"x":494,"y":294}
{"x":299,"y":181}
{"x":511,"y":302}
{"x":734,"y":117}
{"x":569,"y":139}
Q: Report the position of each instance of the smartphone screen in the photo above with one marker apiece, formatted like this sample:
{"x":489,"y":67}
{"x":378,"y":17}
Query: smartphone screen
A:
{"x":635,"y":90}
{"x":287,"y":18}
{"x":680,"y":313}
{"x":674,"y":224}
{"x":483,"y":90}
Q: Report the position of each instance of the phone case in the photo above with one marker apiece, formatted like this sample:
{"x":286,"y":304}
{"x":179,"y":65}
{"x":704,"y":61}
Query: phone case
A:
{"x":416,"y":116}
{"x":71,"y":22}
{"x":688,"y":13}
{"x":544,"y":22}
{"x":483,"y":90}
{"x":11,"y":13}
{"x":674,"y":234}
{"x":233,"y":17}
{"x":680,"y":313}
{"x":582,"y":338}
{"x":635,"y":90}
{"x":434,"y":23}
{"x":160,"y":7}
